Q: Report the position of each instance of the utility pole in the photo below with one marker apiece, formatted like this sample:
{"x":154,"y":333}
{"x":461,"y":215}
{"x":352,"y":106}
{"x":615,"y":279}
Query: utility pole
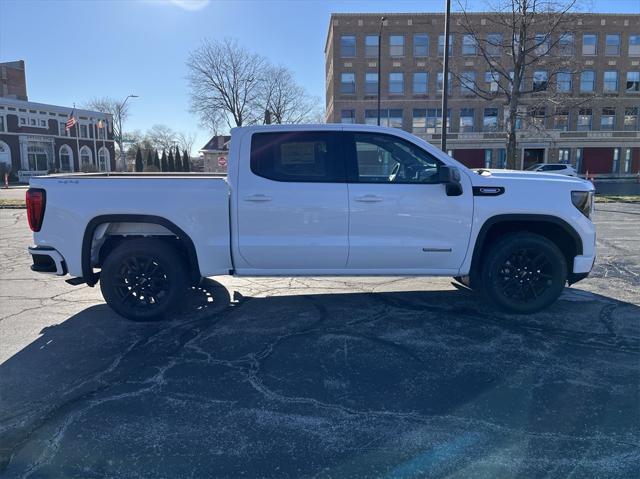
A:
{"x":445,"y":78}
{"x":120,"y":142}
{"x":382,"y":20}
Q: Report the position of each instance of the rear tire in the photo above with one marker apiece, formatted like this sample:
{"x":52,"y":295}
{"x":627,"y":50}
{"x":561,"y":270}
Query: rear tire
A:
{"x":143,"y":279}
{"x":524,"y":273}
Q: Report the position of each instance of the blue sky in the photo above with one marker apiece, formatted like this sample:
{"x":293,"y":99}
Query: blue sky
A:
{"x":75,"y":50}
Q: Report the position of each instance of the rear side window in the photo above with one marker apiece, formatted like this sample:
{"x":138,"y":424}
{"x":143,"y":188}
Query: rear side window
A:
{"x":297,"y":156}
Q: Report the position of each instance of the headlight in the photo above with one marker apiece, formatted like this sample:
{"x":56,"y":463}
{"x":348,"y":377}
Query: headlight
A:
{"x":583,"y":200}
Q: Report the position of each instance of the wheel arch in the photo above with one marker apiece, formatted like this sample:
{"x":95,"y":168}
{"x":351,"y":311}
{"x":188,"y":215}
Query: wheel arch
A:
{"x":183,"y":239}
{"x":551,"y":227}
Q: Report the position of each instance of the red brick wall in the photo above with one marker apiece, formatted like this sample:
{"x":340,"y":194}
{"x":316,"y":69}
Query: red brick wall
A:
{"x":472,"y":158}
{"x":597,"y":160}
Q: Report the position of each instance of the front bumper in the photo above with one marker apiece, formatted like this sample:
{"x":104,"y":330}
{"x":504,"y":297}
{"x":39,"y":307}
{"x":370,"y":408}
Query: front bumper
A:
{"x":47,"y":260}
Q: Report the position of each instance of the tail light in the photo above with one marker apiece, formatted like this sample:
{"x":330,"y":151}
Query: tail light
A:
{"x":36,"y":201}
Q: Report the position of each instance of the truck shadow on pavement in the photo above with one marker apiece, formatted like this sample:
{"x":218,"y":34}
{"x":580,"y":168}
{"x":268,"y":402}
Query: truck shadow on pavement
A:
{"x":328,"y":385}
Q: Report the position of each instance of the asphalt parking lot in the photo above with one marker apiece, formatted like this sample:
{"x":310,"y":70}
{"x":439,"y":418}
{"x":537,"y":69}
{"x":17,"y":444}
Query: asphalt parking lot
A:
{"x":323,"y":377}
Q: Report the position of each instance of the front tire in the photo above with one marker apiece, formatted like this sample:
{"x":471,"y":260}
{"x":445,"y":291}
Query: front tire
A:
{"x":143,"y":279}
{"x":524,"y":273}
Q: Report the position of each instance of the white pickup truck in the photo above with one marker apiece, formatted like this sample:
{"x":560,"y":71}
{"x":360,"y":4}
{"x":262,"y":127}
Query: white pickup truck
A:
{"x":315,"y":200}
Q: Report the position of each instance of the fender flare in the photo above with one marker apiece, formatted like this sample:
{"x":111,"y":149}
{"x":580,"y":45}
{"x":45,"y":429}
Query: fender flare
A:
{"x":91,"y":278}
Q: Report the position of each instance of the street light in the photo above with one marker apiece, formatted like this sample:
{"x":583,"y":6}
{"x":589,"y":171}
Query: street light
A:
{"x":120,"y":108}
{"x":445,"y":79}
{"x":382,"y":20}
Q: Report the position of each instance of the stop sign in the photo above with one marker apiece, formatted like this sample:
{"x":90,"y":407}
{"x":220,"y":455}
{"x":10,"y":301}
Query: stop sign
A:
{"x":222,"y":161}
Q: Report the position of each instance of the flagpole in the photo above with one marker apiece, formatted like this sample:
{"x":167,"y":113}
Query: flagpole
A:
{"x":77,"y":125}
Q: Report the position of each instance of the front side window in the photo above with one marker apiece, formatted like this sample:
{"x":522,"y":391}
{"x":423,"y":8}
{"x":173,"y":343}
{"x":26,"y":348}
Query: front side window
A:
{"x":467,"y":83}
{"x":490,"y":119}
{"x":540,"y":80}
{"x":561,"y":120}
{"x":85,"y":156}
{"x":589,"y":44}
{"x":388,"y":117}
{"x":396,"y":83}
{"x":419,"y":123}
{"x":564,"y":155}
{"x":611,"y":81}
{"x":371,"y":44}
{"x":38,"y":156}
{"x":466,"y":120}
{"x":439,"y":85}
{"x":421,"y":45}
{"x":62,"y":129}
{"x":347,"y":46}
{"x":633,"y":82}
{"x":469,"y":46}
{"x":441,"y":45}
{"x":565,"y":44}
{"x":84,"y":133}
{"x":538,"y":116}
{"x":634,"y":45}
{"x":348,"y":116}
{"x":396,"y":45}
{"x":494,"y":44}
{"x":420,"y":81}
{"x":612,"y":44}
{"x":587,"y":81}
{"x":297,"y":157}
{"x":542,"y":42}
{"x":631,"y":118}
{"x":1,"y":123}
{"x":348,"y":83}
{"x":386,"y":159}
{"x":370,"y":83}
{"x":491,"y":79}
{"x":608,"y":119}
{"x":584,"y":119}
{"x":563,"y":81}
{"x":65,"y":159}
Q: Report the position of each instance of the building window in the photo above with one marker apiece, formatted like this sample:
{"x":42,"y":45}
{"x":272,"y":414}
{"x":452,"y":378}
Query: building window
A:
{"x":347,"y":46}
{"x":633,"y":82}
{"x":608,"y":119}
{"x":589,"y":44}
{"x":494,"y":44}
{"x":627,"y":161}
{"x":421,"y":45}
{"x":395,"y":118}
{"x":612,"y":44}
{"x":565,"y":44}
{"x":502,"y":158}
{"x":388,"y":117}
{"x":538,"y":116}
{"x":371,"y":44}
{"x":2,"y":123}
{"x":23,"y":120}
{"x":102,"y":126}
{"x":540,"y":80}
{"x":84,"y":133}
{"x":615,"y":167}
{"x":488,"y":156}
{"x":469,"y":46}
{"x":420,"y":81}
{"x":85,"y":157}
{"x":466,"y":120}
{"x":103,"y":159}
{"x":396,"y":45}
{"x":439,"y":83}
{"x":468,"y":83}
{"x":348,"y":83}
{"x":611,"y":81}
{"x":561,"y":120}
{"x":490,"y":119}
{"x":563,"y":81}
{"x":584,"y":119}
{"x":587,"y":81}
{"x":396,"y":83}
{"x":542,"y":43}
{"x":62,"y":128}
{"x":564,"y":156}
{"x":419,"y":123}
{"x":66,"y":158}
{"x":491,"y":79}
{"x":348,"y":116}
{"x":370,"y":83}
{"x":634,"y":45}
{"x":631,"y":118}
{"x":43,"y":123}
{"x":428,"y":121}
{"x":38,"y":155}
{"x":441,"y":45}
{"x":32,"y":122}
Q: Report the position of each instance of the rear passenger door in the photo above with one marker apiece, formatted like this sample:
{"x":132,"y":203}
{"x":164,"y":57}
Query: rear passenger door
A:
{"x":292,"y":203}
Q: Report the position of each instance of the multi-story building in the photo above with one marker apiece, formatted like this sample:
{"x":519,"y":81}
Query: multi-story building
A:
{"x":597,"y":130}
{"x":215,"y":154}
{"x":34,"y":139}
{"x":13,"y":81}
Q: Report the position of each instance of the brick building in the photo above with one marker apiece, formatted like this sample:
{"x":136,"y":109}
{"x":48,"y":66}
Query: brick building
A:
{"x":34,"y":141}
{"x":600,"y":134}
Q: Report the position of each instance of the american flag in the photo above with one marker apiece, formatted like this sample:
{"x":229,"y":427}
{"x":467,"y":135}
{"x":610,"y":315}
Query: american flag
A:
{"x":71,"y":121}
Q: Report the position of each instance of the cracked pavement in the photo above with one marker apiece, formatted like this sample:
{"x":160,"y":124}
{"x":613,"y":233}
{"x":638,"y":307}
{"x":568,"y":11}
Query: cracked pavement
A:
{"x":322,"y":377}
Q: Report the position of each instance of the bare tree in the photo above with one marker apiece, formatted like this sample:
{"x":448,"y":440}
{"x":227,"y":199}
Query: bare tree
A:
{"x":162,"y":137}
{"x":287,"y":101}
{"x":225,"y":77}
{"x":186,"y":141}
{"x":114,"y":108}
{"x":530,"y":36}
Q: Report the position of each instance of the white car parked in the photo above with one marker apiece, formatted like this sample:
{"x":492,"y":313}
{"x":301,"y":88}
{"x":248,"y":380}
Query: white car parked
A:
{"x":556,"y":168}
{"x":309,"y":200}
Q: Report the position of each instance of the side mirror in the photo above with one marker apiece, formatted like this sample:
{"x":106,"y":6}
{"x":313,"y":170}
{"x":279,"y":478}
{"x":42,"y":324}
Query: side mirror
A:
{"x":450,"y":177}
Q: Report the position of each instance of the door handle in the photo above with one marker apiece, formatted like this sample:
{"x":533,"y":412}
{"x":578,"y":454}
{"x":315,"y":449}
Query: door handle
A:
{"x":368,"y":199}
{"x":257,"y":198}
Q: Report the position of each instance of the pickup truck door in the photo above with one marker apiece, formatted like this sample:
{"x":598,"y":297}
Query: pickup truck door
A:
{"x":401,"y":219}
{"x":292,"y":203}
